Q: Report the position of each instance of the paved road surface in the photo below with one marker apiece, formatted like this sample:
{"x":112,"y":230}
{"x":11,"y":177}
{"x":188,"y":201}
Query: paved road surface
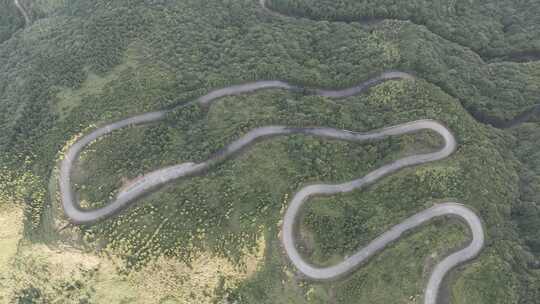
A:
{"x":154,"y":179}
{"x":159,"y":177}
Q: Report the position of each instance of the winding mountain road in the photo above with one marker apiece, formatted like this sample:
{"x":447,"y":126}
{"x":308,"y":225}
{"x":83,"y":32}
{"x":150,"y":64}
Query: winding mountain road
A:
{"x":153,"y":180}
{"x":157,"y":178}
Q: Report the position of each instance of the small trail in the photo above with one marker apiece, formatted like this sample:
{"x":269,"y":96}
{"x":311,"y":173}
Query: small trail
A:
{"x":27,"y":20}
{"x":521,"y":118}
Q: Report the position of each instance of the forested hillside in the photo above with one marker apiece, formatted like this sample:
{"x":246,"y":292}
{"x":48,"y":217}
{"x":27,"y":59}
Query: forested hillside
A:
{"x":497,"y":30}
{"x":81,"y":64}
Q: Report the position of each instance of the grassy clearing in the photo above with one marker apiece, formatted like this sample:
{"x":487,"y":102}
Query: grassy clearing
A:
{"x":50,"y":274}
{"x":68,"y":98}
{"x":11,"y":221}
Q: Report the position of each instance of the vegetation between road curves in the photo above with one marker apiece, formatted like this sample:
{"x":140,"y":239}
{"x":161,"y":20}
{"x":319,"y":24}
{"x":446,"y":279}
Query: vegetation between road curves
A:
{"x":160,"y":177}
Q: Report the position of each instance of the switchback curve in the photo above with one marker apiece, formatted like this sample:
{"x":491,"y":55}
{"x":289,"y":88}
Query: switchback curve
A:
{"x":159,"y":177}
